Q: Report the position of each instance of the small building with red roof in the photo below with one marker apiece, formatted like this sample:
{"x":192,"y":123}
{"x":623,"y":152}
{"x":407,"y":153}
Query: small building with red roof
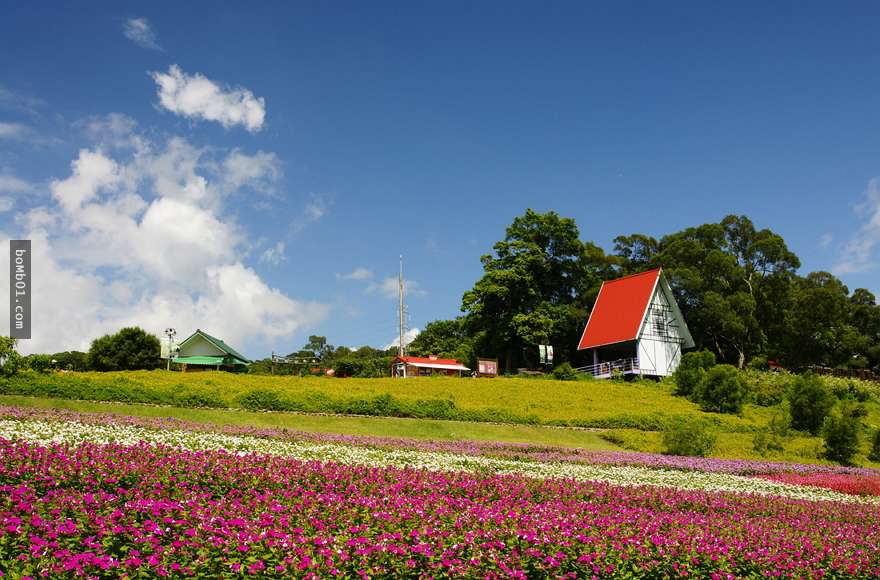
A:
{"x":635,"y":327}
{"x":415,"y":366}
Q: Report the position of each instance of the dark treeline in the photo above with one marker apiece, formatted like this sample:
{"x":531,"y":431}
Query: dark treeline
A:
{"x":738,"y":287}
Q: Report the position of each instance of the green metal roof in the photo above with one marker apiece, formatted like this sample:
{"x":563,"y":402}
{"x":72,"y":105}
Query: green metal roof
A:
{"x":200,"y":360}
{"x":219,"y":344}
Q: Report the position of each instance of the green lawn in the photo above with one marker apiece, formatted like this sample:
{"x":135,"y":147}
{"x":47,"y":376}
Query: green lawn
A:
{"x":377,"y":426}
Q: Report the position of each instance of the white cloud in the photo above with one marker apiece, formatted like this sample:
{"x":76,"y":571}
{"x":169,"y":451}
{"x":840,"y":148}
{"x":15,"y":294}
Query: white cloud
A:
{"x":6,"y":203}
{"x":389,"y":288}
{"x":273,"y":255}
{"x":259,"y":172}
{"x":409,"y":336}
{"x":139,"y":237}
{"x":356,"y":274}
{"x":13,"y":131}
{"x":825,"y":240}
{"x":11,"y":184}
{"x":858,"y":253}
{"x":197,"y":97}
{"x":316,"y":208}
{"x":140,"y":32}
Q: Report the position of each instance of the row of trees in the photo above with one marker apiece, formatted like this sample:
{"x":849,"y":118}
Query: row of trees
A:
{"x":738,"y":288}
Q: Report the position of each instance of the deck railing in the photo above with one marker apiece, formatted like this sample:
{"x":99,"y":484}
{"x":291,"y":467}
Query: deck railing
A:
{"x":626,"y":366}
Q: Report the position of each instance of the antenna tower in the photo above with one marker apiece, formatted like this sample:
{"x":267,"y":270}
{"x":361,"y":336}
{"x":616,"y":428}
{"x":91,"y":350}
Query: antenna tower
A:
{"x":401,"y":347}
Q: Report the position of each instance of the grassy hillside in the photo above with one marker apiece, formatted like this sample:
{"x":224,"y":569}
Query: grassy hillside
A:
{"x":631,"y":414}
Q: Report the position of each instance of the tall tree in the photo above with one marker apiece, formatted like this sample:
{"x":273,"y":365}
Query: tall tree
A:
{"x":730,"y":279}
{"x":534,"y":288}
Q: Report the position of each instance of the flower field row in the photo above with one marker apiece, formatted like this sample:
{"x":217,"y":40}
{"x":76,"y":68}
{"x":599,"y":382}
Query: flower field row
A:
{"x":510,"y":451}
{"x":73,"y":432}
{"x":143,"y":510}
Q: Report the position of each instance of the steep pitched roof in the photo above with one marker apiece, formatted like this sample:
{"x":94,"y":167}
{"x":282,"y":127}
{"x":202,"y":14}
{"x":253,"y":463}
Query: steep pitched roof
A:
{"x":620,"y":309}
{"x":218,"y":343}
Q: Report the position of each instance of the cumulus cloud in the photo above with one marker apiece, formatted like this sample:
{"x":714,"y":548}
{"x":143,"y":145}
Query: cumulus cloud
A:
{"x":139,"y":236}
{"x":273,"y":255}
{"x":858,"y":253}
{"x":388,"y":288}
{"x":6,"y":203}
{"x":259,"y":172}
{"x":356,"y":274}
{"x":140,"y":32}
{"x":409,"y":336}
{"x":197,"y":97}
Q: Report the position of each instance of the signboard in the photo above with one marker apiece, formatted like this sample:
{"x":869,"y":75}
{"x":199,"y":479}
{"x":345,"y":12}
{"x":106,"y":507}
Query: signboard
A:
{"x":166,"y":349}
{"x":487,"y":367}
{"x":545,"y":351}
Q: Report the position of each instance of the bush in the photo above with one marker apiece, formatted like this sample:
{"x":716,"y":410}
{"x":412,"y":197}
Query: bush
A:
{"x":691,"y":373}
{"x":810,"y":402}
{"x":41,"y":363}
{"x":874,"y":455}
{"x":262,"y":400}
{"x":684,"y":437}
{"x":565,"y":372}
{"x":722,"y":390}
{"x":841,"y":434}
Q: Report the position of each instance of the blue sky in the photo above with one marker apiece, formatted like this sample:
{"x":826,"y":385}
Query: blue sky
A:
{"x":340,"y":135}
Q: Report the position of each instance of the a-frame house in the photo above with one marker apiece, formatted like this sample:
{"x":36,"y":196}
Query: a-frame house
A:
{"x":635,"y":328}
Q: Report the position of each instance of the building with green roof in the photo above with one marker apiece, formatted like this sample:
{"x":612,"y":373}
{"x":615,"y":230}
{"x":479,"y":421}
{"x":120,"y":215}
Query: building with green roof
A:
{"x":201,"y":351}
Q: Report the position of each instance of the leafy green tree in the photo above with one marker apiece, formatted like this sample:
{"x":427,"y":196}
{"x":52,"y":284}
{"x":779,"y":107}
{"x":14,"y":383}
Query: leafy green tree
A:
{"x":730,"y":280}
{"x":841,"y":433}
{"x":691,"y":372}
{"x":446,"y":339}
{"x":70,"y":360}
{"x":535,"y":289}
{"x":40,"y":363}
{"x":819,"y":321}
{"x":810,"y":401}
{"x":722,"y":391}
{"x":131,"y":348}
{"x":10,"y":361}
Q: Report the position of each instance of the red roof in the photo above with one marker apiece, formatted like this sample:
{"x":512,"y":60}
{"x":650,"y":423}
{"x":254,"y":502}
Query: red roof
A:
{"x":619,"y":310}
{"x":418,"y":359}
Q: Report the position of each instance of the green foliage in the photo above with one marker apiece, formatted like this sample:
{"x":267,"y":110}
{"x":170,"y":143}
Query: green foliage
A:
{"x":810,"y":401}
{"x":71,"y":360}
{"x":10,"y":361}
{"x":41,"y":363}
{"x":131,"y":348}
{"x":722,"y":391}
{"x":534,"y":290}
{"x":691,"y":372}
{"x":874,"y":454}
{"x":840,"y":431}
{"x":446,"y":339}
{"x":565,"y":372}
{"x":688,"y":437}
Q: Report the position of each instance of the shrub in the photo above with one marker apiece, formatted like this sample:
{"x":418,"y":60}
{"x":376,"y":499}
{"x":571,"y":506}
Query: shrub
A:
{"x":684,"y":437}
{"x":263,"y":400}
{"x":565,"y":372}
{"x":692,"y":371}
{"x":874,"y":454}
{"x":722,"y":390}
{"x":841,"y":433}
{"x":41,"y":363}
{"x":810,"y":402}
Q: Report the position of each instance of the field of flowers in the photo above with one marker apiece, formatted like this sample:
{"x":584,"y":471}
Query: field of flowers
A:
{"x":107,"y":496}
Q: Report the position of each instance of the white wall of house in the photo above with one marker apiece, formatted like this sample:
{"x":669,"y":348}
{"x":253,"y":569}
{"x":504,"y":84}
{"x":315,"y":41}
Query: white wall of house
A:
{"x":199,"y":346}
{"x":660,"y":338}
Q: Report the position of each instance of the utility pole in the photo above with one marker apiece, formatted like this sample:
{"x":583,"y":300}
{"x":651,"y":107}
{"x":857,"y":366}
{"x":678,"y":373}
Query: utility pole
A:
{"x":401,"y":349}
